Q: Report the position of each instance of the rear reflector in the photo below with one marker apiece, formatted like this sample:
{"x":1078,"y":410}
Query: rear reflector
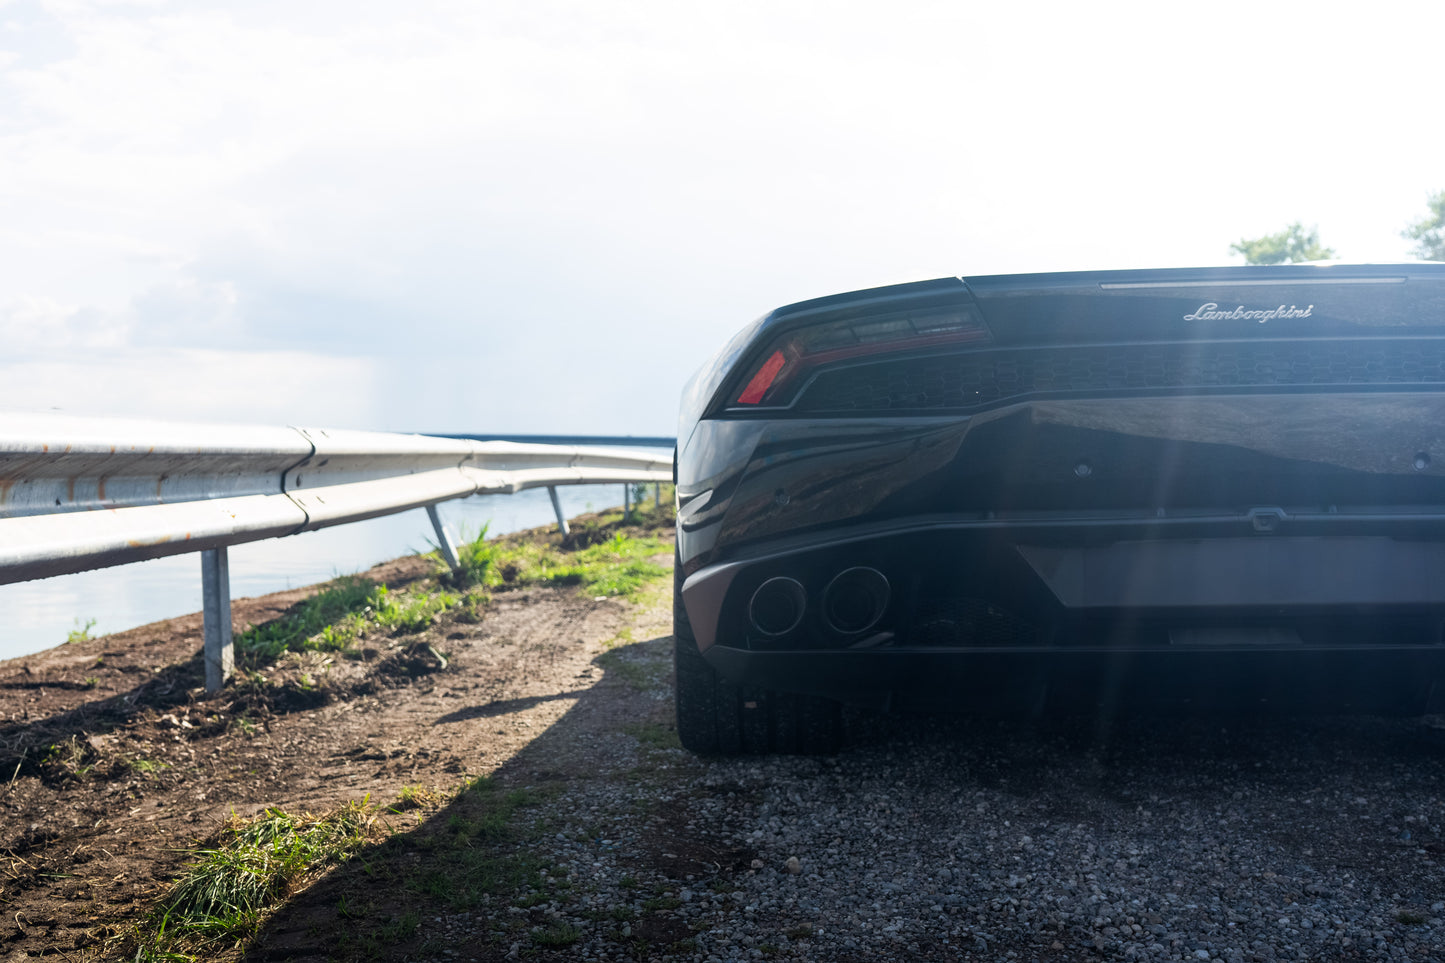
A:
{"x":763,"y":380}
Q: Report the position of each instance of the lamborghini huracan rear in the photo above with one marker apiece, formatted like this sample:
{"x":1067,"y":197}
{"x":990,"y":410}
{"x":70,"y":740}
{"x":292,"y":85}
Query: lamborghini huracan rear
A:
{"x":1095,"y":490}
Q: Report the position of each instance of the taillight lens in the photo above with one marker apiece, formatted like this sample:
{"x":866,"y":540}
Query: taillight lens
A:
{"x":795,"y":354}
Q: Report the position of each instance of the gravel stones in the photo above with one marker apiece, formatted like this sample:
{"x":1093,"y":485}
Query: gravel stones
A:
{"x":947,"y":838}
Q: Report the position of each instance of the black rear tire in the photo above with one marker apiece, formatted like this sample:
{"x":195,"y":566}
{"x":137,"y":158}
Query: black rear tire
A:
{"x":718,"y":717}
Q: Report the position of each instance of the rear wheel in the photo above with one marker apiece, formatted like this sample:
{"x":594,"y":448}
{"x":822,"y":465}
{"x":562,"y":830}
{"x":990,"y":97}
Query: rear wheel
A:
{"x":718,"y":717}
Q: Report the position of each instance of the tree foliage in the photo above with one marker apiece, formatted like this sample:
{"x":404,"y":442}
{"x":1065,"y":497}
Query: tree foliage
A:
{"x":1429,"y":233}
{"x":1290,"y":246}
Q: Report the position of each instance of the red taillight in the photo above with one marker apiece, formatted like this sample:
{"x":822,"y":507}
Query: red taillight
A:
{"x":763,"y":379}
{"x":798,"y":352}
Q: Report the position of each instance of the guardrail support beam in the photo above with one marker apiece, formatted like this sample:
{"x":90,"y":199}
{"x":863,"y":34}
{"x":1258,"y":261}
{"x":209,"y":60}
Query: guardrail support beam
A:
{"x":216,"y":608}
{"x":557,"y":510}
{"x":444,"y":540}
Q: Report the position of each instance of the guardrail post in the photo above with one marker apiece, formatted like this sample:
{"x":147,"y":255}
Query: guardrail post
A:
{"x":557,"y":510}
{"x":626,"y":502}
{"x":444,"y":541}
{"x":657,"y":494}
{"x":216,"y":608}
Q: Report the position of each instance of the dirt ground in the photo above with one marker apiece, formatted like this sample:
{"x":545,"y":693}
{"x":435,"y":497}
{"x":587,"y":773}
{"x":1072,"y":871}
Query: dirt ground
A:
{"x":115,"y":764}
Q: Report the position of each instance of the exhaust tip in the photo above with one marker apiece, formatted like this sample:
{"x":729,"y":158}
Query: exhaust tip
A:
{"x":778,"y":605}
{"x":855,"y":600}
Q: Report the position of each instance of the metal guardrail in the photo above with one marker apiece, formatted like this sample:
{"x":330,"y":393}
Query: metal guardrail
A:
{"x":83,"y":493}
{"x":620,"y":441}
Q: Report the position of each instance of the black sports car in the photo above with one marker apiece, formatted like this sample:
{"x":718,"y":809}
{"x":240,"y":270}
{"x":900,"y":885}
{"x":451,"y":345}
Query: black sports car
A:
{"x":1089,"y":490}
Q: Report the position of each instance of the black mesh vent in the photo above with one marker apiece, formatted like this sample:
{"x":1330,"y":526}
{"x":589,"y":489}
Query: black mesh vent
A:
{"x":965,"y":622}
{"x":983,"y":378}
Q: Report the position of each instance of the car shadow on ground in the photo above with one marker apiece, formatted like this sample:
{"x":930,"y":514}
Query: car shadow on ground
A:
{"x":467,"y":860}
{"x":480,"y":876}
{"x":502,"y":707}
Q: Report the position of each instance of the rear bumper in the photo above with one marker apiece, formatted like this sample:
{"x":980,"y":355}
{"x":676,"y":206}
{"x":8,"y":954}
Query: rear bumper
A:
{"x":1069,"y":568}
{"x":998,"y":615}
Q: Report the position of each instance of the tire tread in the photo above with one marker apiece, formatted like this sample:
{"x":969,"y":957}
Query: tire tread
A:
{"x":717,"y":717}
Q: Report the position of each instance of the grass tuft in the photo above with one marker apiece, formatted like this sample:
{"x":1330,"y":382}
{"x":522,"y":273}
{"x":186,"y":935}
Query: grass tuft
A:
{"x":81,"y":633}
{"x":227,"y":890}
{"x":476,"y":557}
{"x":318,"y":617}
{"x":71,"y":758}
{"x":146,"y":767}
{"x":557,"y":935}
{"x":418,"y":797}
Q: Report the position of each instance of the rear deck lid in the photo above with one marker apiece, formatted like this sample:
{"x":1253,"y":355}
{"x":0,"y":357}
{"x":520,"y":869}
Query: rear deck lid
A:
{"x":1226,"y":303}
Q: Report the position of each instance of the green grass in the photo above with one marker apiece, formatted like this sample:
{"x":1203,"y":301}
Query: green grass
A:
{"x":342,"y":613}
{"x":489,"y":811}
{"x":69,"y":758}
{"x":227,"y":890}
{"x":146,"y":767}
{"x":621,"y":565}
{"x":475,"y":558}
{"x":405,"y":614}
{"x":417,"y":797}
{"x":322,"y":614}
{"x":654,"y":734}
{"x":475,"y":853}
{"x":81,"y":633}
{"x":557,"y":935}
{"x":400,"y":928}
{"x":624,"y":636}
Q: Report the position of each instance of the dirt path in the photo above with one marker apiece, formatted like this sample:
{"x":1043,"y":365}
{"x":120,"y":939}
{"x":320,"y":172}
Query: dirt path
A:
{"x":114,"y":763}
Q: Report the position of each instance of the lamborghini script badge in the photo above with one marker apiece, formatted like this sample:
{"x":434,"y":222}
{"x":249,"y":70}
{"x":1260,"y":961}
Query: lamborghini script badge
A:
{"x":1211,"y":312}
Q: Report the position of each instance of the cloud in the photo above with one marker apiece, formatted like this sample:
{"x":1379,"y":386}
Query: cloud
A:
{"x":187,"y":312}
{"x":272,"y":387}
{"x":36,"y":326}
{"x":493,"y":195}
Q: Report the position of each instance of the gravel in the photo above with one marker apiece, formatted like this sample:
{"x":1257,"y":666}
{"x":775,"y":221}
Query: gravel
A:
{"x":952,"y":838}
{"x":945,"y":838}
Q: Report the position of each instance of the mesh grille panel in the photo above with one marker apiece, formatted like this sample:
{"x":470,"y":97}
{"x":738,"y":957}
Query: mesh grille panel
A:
{"x":966,"y":621}
{"x":979,"y":379}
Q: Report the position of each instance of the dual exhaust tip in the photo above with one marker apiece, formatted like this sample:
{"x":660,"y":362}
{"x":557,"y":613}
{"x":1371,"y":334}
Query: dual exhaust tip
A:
{"x":850,"y":604}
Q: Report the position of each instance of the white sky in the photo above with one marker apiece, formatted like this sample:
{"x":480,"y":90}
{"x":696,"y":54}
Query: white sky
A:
{"x":541,"y":217}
